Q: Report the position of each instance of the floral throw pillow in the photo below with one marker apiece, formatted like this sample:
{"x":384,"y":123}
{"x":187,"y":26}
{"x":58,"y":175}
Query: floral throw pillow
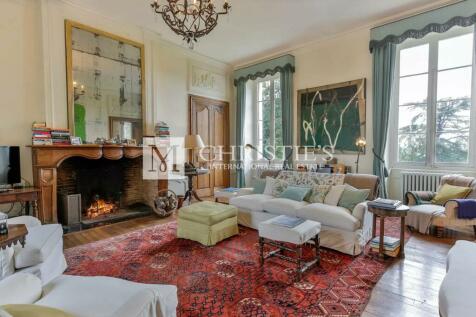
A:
{"x":279,"y":187}
{"x":319,"y":193}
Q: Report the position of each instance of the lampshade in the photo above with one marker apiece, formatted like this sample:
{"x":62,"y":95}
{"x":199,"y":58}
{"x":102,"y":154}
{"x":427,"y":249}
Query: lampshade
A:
{"x":193,"y":141}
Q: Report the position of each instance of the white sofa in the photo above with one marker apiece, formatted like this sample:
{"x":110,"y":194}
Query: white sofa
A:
{"x":43,"y":252}
{"x":341,"y":230}
{"x":456,"y":297}
{"x":91,"y":296}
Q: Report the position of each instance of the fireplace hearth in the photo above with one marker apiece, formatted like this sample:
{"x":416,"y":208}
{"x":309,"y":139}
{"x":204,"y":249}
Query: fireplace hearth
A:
{"x":105,"y":191}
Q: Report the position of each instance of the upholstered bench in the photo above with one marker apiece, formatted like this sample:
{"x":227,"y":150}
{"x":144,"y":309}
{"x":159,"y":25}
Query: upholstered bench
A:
{"x":207,"y":222}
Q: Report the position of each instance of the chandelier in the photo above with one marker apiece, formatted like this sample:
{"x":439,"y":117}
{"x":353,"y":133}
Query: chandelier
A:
{"x":190,"y":19}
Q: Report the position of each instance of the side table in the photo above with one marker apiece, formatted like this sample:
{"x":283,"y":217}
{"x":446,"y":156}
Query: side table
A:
{"x":16,"y":233}
{"x":400,"y":212}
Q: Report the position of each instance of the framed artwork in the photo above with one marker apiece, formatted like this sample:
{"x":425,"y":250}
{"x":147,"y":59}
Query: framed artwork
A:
{"x":332,"y":117}
{"x":105,"y":78}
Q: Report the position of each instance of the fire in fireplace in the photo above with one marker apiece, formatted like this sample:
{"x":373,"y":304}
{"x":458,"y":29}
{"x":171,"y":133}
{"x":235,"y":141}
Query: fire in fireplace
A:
{"x":100,"y":207}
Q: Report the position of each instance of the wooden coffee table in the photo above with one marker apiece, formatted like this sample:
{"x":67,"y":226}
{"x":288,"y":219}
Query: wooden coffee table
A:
{"x":400,"y":212}
{"x":16,"y":233}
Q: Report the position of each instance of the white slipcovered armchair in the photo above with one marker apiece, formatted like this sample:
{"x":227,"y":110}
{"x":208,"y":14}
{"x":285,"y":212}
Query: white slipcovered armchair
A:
{"x":90,"y":296}
{"x":43,"y":252}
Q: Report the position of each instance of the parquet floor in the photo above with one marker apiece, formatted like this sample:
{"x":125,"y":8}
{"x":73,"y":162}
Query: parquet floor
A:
{"x":408,"y":289}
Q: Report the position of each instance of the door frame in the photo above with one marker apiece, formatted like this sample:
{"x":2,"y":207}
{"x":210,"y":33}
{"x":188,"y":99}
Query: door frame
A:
{"x":192,"y":128}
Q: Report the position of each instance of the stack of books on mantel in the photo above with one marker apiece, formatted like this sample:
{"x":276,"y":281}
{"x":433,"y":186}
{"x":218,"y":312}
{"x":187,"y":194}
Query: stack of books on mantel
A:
{"x":385,"y":203}
{"x":391,"y":246}
{"x":41,"y":134}
{"x":60,"y":136}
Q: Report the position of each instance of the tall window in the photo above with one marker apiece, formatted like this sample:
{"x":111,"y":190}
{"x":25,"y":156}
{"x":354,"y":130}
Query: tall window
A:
{"x":435,"y":90}
{"x":269,"y":117}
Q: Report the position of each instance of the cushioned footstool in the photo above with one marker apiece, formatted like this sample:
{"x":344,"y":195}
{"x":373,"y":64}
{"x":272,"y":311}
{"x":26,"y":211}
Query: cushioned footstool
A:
{"x":207,"y":222}
{"x":277,"y":236}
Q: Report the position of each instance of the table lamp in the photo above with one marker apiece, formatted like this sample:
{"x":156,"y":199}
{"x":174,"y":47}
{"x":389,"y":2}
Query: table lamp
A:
{"x":193,"y":142}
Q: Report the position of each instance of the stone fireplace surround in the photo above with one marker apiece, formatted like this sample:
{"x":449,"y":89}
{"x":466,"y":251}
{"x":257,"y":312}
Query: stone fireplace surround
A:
{"x":47,"y":159}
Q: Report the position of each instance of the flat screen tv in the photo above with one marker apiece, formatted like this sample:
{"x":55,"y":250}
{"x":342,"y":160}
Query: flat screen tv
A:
{"x":10,"y":165}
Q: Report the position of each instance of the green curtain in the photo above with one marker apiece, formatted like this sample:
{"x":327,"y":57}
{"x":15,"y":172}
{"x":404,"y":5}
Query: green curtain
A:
{"x":240,"y":122}
{"x":383,"y":78}
{"x":287,"y":116}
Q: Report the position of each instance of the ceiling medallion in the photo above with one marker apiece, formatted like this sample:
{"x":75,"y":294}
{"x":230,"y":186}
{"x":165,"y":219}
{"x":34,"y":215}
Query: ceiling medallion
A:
{"x":190,"y":18}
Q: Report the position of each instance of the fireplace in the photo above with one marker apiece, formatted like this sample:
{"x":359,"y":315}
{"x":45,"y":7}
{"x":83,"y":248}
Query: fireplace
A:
{"x":97,"y":192}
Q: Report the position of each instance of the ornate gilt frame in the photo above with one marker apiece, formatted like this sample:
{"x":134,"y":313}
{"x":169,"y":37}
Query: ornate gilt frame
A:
{"x":69,"y":25}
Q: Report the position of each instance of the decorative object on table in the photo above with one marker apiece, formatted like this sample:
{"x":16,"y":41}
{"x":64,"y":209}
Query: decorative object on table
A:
{"x":102,"y":67}
{"x":278,"y":231}
{"x":196,"y":18}
{"x":165,"y":203}
{"x":41,"y":134}
{"x":3,"y":224}
{"x":76,"y":140}
{"x":15,"y":234}
{"x":361,"y":143}
{"x":385,"y":203}
{"x":332,"y":117}
{"x":265,"y":156}
{"x":131,"y":142}
{"x":401,"y":212}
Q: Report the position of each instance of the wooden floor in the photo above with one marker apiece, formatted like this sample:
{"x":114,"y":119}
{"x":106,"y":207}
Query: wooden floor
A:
{"x":409,"y":288}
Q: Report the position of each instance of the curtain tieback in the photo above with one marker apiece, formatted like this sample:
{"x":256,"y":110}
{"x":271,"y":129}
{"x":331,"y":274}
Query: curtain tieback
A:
{"x":385,"y":170}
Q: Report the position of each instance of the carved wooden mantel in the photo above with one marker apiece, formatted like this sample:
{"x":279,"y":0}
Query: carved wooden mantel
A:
{"x":47,"y":158}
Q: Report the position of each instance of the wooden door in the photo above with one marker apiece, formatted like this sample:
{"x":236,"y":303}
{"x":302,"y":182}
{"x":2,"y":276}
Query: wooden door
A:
{"x":209,"y":118}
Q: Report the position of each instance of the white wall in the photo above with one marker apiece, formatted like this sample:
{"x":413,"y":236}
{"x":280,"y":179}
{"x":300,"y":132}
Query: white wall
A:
{"x":342,"y":58}
{"x":33,"y":76}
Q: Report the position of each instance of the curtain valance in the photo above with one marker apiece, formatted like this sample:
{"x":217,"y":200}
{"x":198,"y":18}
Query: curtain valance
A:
{"x":439,"y":20}
{"x":261,"y":70}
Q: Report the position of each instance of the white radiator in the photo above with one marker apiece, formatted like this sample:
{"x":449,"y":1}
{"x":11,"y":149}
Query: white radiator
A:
{"x":420,"y":181}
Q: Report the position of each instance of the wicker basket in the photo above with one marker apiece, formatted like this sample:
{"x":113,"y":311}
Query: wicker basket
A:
{"x":165,"y":203}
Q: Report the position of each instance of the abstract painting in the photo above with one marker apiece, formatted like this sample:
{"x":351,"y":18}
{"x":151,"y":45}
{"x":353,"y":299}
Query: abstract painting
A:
{"x":332,"y":117}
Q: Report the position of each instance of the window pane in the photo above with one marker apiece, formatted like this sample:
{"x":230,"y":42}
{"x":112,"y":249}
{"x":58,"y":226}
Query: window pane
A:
{"x":264,"y":90}
{"x":412,"y":119}
{"x":277,"y":88}
{"x":413,"y":90}
{"x":454,"y":84}
{"x":455,"y":52}
{"x":452,"y":147}
{"x":453,"y":115}
{"x":414,"y":60}
{"x":412,"y":148}
{"x":260,"y":130}
{"x":260,"y":111}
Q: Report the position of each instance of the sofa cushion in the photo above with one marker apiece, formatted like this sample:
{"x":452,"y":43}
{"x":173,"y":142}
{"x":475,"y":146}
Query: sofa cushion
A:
{"x":283,"y":206}
{"x":334,"y":195}
{"x":40,"y":241}
{"x":259,"y":185}
{"x":24,"y":310}
{"x":331,"y":216}
{"x":295,"y":193}
{"x":319,"y":193}
{"x":250,"y":202}
{"x":447,"y":192}
{"x":20,"y":288}
{"x":352,"y":196}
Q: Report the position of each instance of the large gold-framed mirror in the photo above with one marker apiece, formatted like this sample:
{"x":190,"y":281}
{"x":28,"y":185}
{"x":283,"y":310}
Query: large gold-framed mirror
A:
{"x":105,"y":79}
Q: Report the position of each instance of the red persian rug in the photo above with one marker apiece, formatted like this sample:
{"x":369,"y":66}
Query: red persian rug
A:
{"x":226,"y":280}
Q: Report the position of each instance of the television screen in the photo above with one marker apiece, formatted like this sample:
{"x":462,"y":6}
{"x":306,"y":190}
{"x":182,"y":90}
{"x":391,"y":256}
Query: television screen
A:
{"x":10,"y":165}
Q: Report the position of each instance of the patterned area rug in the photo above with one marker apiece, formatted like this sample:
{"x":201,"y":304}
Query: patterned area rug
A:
{"x":226,"y":280}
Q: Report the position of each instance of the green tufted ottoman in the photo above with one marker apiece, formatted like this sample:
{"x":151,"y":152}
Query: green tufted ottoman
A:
{"x":207,"y":222}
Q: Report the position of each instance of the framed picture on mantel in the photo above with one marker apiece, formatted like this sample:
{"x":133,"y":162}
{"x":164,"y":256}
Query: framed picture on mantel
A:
{"x":105,"y":79}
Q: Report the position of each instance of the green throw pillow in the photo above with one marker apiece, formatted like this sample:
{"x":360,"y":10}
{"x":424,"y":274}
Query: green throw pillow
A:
{"x":295,"y":193}
{"x":352,"y":197}
{"x":258,"y":185}
{"x":447,"y":192}
{"x":318,"y":193}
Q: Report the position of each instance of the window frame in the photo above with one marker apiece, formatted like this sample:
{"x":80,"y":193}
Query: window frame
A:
{"x":257,"y":82}
{"x":393,"y":144}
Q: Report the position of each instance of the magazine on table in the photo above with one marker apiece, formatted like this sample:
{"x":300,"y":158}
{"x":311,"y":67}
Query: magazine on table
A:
{"x":385,"y":203}
{"x":287,"y":221}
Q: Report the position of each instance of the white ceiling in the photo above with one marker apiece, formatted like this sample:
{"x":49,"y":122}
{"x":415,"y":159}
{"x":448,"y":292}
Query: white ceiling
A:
{"x":255,"y":28}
